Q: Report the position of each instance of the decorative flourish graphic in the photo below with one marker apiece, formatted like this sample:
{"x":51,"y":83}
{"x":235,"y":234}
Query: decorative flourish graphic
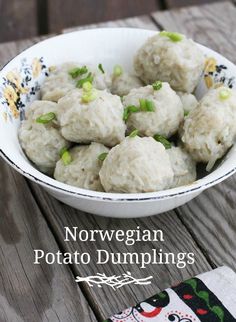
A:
{"x":114,"y":281}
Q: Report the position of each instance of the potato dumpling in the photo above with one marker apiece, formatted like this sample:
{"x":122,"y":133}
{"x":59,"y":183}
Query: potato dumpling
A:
{"x":172,"y":58}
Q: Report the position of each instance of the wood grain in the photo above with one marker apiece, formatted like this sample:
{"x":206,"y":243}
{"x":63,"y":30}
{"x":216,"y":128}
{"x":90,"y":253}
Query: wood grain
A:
{"x":88,"y":11}
{"x":18,"y":19}
{"x":10,"y":49}
{"x":106,"y":301}
{"x":210,"y":217}
{"x":31,"y":292}
{"x":136,"y":22}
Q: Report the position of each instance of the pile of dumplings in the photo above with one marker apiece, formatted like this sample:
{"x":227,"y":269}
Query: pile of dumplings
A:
{"x":114,"y":132}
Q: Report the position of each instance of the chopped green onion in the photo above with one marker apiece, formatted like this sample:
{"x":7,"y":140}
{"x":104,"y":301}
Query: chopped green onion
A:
{"x":89,"y":96}
{"x":88,"y":78}
{"x":62,"y":151}
{"x":87,"y":86}
{"x":142,"y":104}
{"x":128,"y":110}
{"x":157,"y":85}
{"x":133,"y":133}
{"x":186,"y":113}
{"x":173,"y":36}
{"x":163,"y":140}
{"x":117,"y":71}
{"x":46,"y":118}
{"x":224,"y":94}
{"x":150,"y":107}
{"x":146,"y":105}
{"x":102,"y":156}
{"x":101,"y":68}
{"x":78,"y":71}
{"x":66,"y":157}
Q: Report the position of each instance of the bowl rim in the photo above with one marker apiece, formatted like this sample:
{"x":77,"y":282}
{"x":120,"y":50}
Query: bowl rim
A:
{"x":52,"y":184}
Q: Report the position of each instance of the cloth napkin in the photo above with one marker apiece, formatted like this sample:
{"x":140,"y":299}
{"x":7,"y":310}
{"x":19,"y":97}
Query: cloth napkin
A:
{"x":209,"y":297}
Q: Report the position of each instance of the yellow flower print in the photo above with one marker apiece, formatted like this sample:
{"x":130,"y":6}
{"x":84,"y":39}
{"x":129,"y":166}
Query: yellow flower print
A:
{"x":217,"y":85}
{"x":208,"y":81}
{"x":11,"y":97}
{"x":10,"y":94}
{"x":210,"y":65}
{"x":14,"y":111}
{"x":5,"y":116}
{"x":14,"y":78}
{"x":210,"y":68}
{"x":36,"y":67}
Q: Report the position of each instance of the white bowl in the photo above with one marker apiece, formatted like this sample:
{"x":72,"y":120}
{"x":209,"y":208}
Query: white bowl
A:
{"x":109,"y":47}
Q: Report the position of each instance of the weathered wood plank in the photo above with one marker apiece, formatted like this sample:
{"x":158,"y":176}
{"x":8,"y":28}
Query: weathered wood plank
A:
{"x":211,"y":216}
{"x":9,"y":50}
{"x":137,"y":22}
{"x":177,"y":240}
{"x":18,"y":19}
{"x":31,"y":292}
{"x":212,"y":25}
{"x":87,"y":11}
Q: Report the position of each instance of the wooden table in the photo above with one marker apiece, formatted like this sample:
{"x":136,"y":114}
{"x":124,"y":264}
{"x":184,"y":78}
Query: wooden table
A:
{"x":31,"y":219}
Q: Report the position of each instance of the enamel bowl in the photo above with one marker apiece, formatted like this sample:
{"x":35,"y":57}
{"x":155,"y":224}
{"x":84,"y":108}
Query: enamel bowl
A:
{"x":20,"y":83}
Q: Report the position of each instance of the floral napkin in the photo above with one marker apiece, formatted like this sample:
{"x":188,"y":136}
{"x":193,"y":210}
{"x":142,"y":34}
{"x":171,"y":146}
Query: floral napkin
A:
{"x":209,"y":297}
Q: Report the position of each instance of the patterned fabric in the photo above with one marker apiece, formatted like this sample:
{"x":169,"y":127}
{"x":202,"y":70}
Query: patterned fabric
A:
{"x":190,"y":301}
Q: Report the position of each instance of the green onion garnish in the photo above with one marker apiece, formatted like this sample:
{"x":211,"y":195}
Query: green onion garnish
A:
{"x":78,"y":71}
{"x":150,"y":107}
{"x":146,"y":105}
{"x":133,"y":133}
{"x":46,"y":118}
{"x":173,"y":36}
{"x":62,"y":151}
{"x":87,"y":86}
{"x":224,"y":94}
{"x":89,"y":96}
{"x":128,"y":110}
{"x":66,"y":157}
{"x":88,"y":78}
{"x":142,"y":104}
{"x":102,"y":156}
{"x":101,"y":68}
{"x":117,"y":71}
{"x":157,"y":85}
{"x":163,"y":140}
{"x":186,"y":113}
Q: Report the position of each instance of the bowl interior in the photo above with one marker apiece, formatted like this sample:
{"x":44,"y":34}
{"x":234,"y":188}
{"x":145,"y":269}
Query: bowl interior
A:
{"x":21,"y":78}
